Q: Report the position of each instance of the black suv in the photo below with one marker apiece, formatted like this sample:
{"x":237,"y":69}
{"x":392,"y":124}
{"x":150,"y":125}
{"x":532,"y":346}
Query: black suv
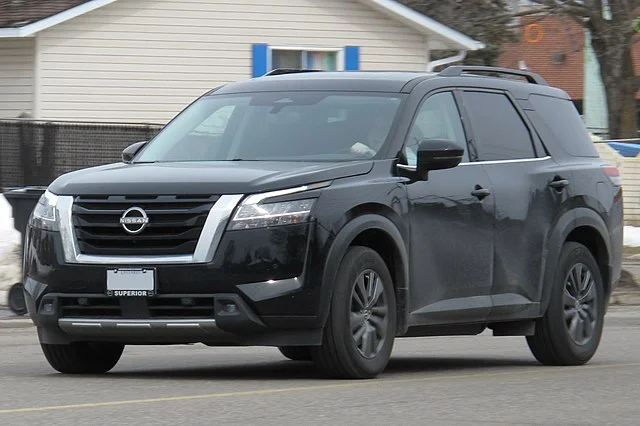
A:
{"x":327,"y":214}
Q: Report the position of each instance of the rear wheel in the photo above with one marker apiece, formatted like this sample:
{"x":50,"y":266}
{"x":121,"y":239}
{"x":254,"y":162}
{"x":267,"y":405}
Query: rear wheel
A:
{"x":83,"y":357}
{"x":296,"y":353}
{"x":570,"y":331}
{"x":359,"y":334}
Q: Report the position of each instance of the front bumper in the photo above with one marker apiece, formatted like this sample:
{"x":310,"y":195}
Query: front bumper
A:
{"x":259,"y":289}
{"x":232,"y":322}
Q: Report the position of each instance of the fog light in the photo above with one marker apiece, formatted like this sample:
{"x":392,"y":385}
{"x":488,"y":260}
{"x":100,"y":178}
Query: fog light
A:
{"x":230,"y":308}
{"x":47,"y":306}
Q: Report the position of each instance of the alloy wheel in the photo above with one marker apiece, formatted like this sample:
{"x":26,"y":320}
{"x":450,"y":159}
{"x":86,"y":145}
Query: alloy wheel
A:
{"x":369,"y":314}
{"x":580,"y":304}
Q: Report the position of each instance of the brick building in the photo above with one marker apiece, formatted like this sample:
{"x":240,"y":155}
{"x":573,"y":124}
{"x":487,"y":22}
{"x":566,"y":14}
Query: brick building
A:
{"x":552,"y":46}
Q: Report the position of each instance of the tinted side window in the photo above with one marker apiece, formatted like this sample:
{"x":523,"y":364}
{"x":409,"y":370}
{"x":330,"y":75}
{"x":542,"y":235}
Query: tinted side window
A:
{"x":561,"y":117}
{"x":500,"y":133}
{"x":438,"y":118}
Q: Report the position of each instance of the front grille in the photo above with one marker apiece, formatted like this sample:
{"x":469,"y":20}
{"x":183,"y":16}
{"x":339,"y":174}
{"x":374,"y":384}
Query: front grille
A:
{"x":175,"y":224}
{"x":159,"y":307}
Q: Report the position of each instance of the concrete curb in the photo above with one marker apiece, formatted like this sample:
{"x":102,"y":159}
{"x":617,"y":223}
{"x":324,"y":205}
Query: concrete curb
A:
{"x":16,"y":322}
{"x":626,"y":298}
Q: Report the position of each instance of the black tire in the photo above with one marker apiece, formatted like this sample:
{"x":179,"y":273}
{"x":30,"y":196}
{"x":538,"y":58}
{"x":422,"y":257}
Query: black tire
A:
{"x":296,"y":353}
{"x":569,"y":333}
{"x":83,"y":357}
{"x":340,"y":356}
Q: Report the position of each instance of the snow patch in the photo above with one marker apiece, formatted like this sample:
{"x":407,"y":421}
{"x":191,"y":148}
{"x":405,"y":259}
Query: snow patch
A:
{"x":632,"y":236}
{"x":9,"y":237}
{"x":10,"y":261}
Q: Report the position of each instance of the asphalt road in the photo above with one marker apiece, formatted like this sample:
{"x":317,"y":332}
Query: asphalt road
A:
{"x":439,"y":381}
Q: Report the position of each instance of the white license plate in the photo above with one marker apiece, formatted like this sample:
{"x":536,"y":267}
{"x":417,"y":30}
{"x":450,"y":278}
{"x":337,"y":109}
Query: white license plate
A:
{"x":123,"y":282}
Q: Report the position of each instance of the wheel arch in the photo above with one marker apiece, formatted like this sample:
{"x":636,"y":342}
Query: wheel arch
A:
{"x":584,"y":226}
{"x":379,"y":233}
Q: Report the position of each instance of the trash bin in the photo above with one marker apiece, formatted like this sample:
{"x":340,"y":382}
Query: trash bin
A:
{"x":22,"y":201}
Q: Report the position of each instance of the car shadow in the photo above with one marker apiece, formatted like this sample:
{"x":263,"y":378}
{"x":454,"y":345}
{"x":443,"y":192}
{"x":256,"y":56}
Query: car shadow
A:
{"x":442,"y":364}
{"x":299,"y":370}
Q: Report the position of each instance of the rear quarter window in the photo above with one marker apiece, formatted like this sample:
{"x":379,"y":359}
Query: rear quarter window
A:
{"x":561,"y":118}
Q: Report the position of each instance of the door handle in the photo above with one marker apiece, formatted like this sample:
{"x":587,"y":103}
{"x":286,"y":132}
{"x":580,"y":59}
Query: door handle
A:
{"x":559,"y":184}
{"x":480,"y":192}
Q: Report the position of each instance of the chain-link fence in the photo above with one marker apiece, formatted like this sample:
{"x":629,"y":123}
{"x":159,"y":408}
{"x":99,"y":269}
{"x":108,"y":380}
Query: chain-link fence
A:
{"x":37,"y":152}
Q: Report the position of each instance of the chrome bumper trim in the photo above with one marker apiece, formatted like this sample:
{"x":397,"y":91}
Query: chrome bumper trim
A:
{"x":75,"y":325}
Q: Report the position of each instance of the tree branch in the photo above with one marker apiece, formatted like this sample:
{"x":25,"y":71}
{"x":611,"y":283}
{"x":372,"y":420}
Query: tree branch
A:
{"x":589,"y":9}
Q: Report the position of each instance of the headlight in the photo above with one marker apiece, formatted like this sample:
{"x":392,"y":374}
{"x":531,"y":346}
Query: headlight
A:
{"x":45,"y":214}
{"x":251,"y":216}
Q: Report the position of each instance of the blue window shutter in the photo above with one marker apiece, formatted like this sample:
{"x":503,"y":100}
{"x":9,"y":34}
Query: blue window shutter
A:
{"x":260,"y":59}
{"x":352,"y":58}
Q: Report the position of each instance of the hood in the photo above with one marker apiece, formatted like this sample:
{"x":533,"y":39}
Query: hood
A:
{"x":224,"y":177}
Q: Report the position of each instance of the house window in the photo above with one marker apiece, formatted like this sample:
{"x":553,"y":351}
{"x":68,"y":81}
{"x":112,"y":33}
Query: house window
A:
{"x":266,"y":58}
{"x":326,"y":60}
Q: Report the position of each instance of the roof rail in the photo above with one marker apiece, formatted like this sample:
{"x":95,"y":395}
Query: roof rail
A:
{"x":458,"y":70}
{"x":280,"y":71}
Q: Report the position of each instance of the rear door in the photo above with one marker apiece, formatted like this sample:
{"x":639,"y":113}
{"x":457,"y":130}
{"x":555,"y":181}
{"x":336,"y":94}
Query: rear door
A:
{"x":528,"y":187}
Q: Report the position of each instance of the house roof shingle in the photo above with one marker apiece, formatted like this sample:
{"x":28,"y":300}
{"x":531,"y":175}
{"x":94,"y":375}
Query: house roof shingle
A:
{"x":18,"y":13}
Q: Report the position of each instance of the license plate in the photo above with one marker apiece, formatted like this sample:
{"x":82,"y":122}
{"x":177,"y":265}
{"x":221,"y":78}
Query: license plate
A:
{"x":127,"y":282}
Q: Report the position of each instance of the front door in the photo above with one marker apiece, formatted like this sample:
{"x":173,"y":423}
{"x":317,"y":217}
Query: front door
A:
{"x":451,"y":222}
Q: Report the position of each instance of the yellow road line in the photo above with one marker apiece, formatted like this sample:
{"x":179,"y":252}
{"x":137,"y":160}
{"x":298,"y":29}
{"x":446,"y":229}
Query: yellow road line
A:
{"x":351,"y":384}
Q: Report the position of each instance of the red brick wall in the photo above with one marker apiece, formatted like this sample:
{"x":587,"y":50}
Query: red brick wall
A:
{"x":559,"y":35}
{"x":552,"y":46}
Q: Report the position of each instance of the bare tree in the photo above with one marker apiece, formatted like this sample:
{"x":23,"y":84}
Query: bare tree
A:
{"x":611,"y":25}
{"x":484,"y":20}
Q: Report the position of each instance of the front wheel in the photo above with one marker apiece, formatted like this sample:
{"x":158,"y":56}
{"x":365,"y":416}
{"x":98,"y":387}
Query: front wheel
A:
{"x":570,"y":331}
{"x":359,"y":334}
{"x":83,"y":357}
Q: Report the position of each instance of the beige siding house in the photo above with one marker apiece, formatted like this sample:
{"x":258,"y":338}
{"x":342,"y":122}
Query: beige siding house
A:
{"x":17,"y":65}
{"x":144,"y":60}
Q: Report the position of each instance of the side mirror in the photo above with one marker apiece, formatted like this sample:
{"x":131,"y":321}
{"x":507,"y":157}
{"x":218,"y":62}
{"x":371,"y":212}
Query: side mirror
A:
{"x":131,"y":151}
{"x":437,"y":154}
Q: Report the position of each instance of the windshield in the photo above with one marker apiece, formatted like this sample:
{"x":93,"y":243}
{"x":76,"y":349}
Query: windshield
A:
{"x":274,"y":126}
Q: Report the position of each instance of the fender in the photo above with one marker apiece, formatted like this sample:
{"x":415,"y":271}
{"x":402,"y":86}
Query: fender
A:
{"x":573,"y":219}
{"x":341,"y":244}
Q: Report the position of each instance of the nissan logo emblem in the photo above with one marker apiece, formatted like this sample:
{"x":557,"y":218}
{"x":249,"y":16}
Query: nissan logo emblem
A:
{"x":134,"y":220}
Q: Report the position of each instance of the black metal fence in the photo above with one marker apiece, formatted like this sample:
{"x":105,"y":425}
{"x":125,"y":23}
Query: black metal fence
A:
{"x":36,"y":152}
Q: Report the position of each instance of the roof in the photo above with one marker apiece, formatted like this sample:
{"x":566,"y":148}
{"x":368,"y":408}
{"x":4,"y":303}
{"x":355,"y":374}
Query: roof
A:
{"x":387,"y":82}
{"x":442,"y":36}
{"x":353,"y":81}
{"x":18,"y":13}
{"x":23,"y":18}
